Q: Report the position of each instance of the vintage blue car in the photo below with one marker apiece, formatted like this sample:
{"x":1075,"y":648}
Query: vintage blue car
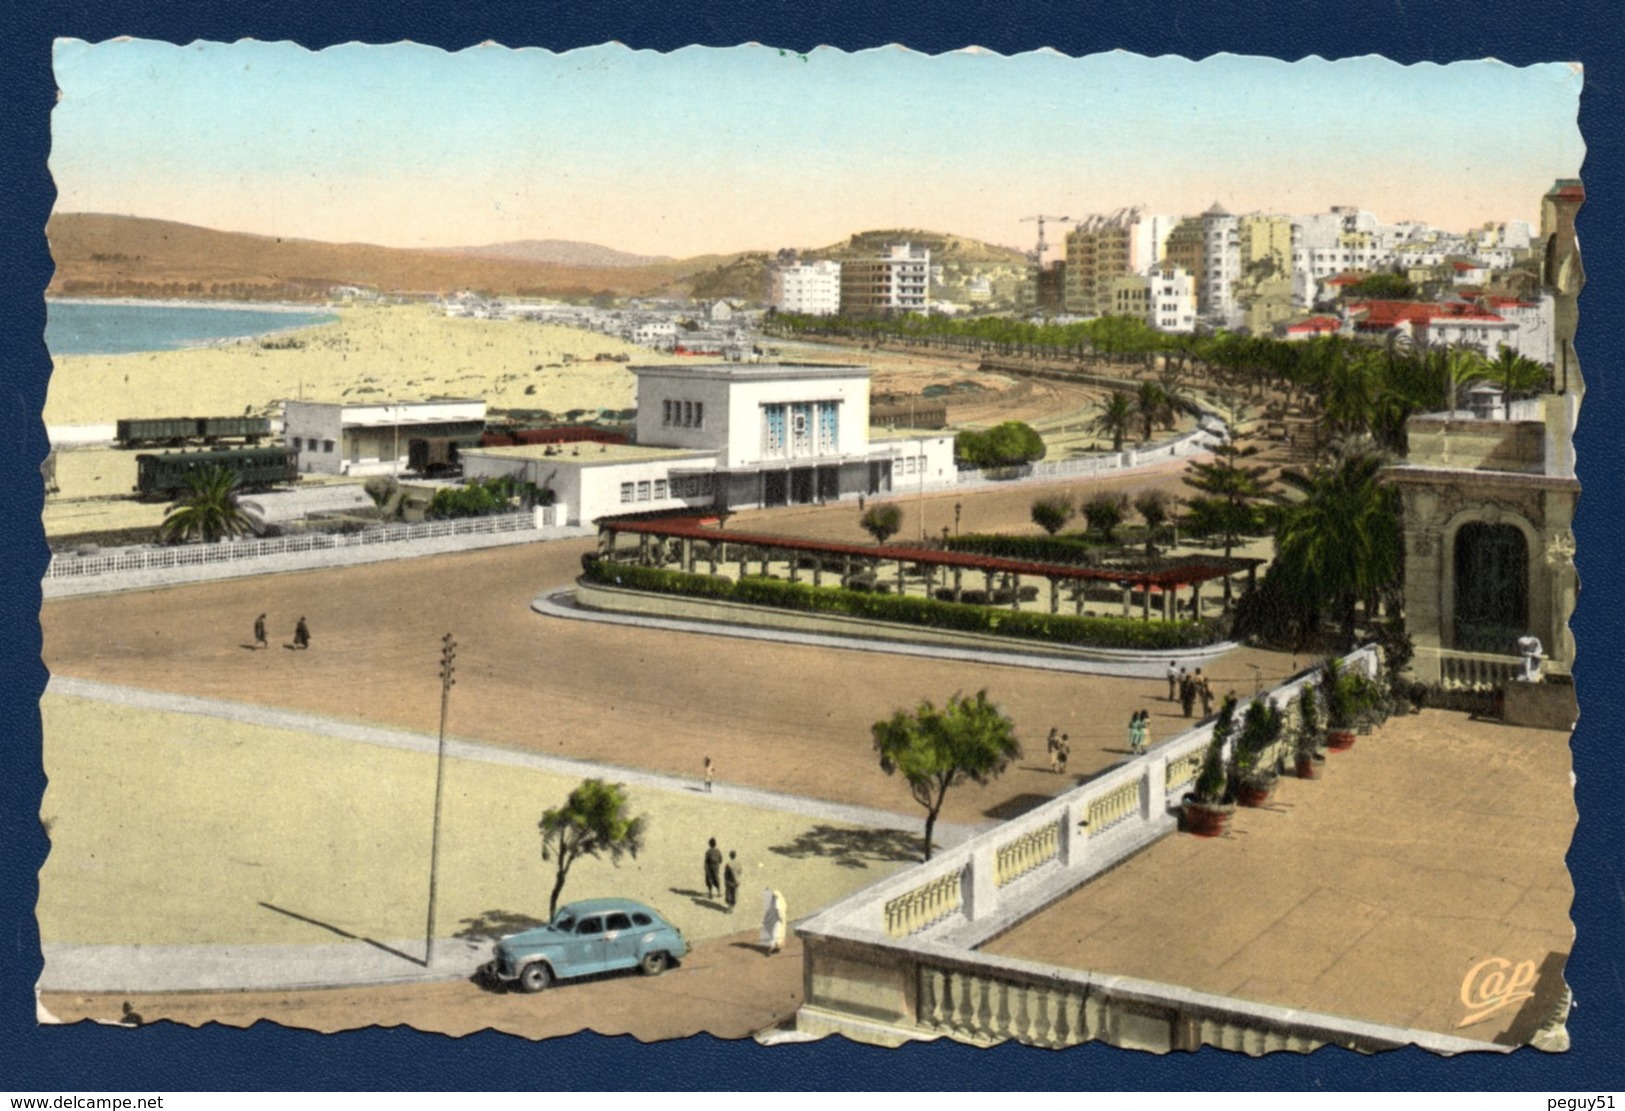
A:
{"x":594,"y":935}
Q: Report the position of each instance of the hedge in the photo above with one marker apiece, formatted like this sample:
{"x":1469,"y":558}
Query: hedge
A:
{"x":1098,"y":632}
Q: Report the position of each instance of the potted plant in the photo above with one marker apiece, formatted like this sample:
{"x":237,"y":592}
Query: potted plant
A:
{"x":1306,"y":736}
{"x":1254,"y":763}
{"x":1347,"y":694}
{"x":1209,"y":806}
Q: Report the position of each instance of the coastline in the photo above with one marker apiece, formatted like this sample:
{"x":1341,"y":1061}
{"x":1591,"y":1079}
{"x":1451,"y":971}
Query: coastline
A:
{"x":194,"y":303}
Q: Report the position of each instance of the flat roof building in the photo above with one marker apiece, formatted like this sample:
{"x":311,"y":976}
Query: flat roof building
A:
{"x":733,"y":435}
{"x":373,"y":437}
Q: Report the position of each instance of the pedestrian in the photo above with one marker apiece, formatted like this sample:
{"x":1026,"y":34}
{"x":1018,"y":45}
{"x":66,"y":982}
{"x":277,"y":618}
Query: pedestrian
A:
{"x":1134,"y":733}
{"x":860,"y":503}
{"x":774,"y":920}
{"x":1142,"y":726}
{"x":713,"y":870}
{"x":1187,"y":694}
{"x":259,"y":633}
{"x":301,"y":634}
{"x":1055,"y":757}
{"x":710,"y":775}
{"x":1052,"y":740}
{"x":730,"y":880}
{"x":1062,"y":751}
{"x":1207,"y":698}
{"x":1173,"y":680}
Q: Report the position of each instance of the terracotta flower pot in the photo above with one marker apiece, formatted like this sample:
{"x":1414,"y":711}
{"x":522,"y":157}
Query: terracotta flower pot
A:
{"x":1254,"y":795}
{"x":1207,"y":819}
{"x":1307,"y":768}
{"x":1340,"y":740}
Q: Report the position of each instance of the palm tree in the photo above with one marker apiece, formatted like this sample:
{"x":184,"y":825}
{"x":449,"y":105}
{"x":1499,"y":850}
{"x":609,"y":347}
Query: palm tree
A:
{"x":1150,"y":406}
{"x":210,"y":511}
{"x":1340,"y":544}
{"x":1515,"y":373}
{"x":1114,"y":417}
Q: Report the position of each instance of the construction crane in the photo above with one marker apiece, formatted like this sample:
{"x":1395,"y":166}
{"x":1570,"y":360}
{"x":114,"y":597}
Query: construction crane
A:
{"x":1038,"y":254}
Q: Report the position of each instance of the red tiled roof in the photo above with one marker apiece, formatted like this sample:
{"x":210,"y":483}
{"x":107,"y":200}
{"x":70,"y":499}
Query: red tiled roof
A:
{"x":704,"y":528}
{"x":1391,"y":314}
{"x":1315,"y":324}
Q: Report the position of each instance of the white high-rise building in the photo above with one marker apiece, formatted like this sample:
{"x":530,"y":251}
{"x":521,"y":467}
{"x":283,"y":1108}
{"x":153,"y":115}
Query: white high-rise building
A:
{"x":895,"y":282}
{"x":811,"y":288}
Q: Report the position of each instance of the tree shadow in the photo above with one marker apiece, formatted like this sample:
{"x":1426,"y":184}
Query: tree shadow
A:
{"x":1019,"y":805}
{"x":490,"y":925}
{"x":853,"y":848}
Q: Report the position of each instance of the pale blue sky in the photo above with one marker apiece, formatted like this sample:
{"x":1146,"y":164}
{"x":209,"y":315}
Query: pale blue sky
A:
{"x":721,"y":150}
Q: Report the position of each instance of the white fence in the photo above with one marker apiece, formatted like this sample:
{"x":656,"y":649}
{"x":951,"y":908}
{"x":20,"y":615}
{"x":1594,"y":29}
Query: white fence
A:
{"x":158,"y":557}
{"x":1186,"y":444}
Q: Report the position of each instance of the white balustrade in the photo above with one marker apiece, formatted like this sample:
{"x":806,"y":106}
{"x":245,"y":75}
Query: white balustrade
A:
{"x":192,"y":555}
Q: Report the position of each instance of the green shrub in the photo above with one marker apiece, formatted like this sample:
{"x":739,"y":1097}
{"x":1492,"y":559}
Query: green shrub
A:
{"x":1099,"y":632}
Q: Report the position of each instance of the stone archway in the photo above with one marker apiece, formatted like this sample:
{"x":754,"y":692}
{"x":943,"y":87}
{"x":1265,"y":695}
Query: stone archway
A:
{"x":1490,"y":590}
{"x":1491,"y":608}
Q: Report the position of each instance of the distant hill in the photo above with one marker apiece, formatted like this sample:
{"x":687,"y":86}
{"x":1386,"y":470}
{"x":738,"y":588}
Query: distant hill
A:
{"x":559,"y":252}
{"x":100,"y":255}
{"x":745,"y":276}
{"x":944,"y":247}
{"x":106,"y":256}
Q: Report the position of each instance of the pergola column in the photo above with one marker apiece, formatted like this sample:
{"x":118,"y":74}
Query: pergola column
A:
{"x":795,"y":569}
{"x":818,"y":571}
{"x":711,"y":549}
{"x":1196,"y":600}
{"x":1015,"y":591}
{"x":767,"y":556}
{"x":687,"y":546}
{"x":1054,"y":595}
{"x":1128,"y":598}
{"x":1145,"y":601}
{"x":1170,"y":601}
{"x":899,"y":576}
{"x":643,"y":548}
{"x":957,"y":581}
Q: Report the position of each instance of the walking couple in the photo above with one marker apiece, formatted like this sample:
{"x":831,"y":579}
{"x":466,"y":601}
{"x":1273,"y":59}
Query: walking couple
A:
{"x":721,"y":878}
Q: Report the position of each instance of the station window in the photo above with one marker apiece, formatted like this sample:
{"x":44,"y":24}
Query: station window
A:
{"x":643,"y":491}
{"x":626,"y":492}
{"x":665,"y":413}
{"x":327,"y":447}
{"x":660,"y":489}
{"x":699,"y":414}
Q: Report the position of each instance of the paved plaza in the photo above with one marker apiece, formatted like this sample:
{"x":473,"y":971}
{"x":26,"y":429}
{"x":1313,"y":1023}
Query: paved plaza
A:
{"x":1434,"y":845}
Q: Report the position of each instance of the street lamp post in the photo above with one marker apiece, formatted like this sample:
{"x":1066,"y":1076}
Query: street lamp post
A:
{"x":448,"y":653}
{"x":957,"y":507}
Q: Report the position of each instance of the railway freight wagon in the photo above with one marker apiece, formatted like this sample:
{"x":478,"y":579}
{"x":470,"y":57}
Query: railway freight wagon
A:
{"x":167,"y":475}
{"x":438,"y":455}
{"x":174,"y":431}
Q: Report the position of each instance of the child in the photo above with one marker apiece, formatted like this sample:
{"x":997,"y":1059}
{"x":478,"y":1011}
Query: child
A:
{"x":710,"y":774}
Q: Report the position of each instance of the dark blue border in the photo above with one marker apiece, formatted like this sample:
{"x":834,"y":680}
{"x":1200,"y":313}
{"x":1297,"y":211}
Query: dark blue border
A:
{"x":158,"y":1058}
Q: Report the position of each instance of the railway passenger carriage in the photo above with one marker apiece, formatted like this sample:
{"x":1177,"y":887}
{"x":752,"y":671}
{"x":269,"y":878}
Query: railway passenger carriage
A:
{"x":166,"y":475}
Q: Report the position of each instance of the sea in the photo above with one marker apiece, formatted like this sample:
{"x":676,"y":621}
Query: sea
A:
{"x":123,"y":327}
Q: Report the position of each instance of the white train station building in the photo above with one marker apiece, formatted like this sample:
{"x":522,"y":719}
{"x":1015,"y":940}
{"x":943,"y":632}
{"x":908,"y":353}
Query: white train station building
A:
{"x":731,"y":436}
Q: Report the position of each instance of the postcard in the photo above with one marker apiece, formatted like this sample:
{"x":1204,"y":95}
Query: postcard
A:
{"x":787,"y":545}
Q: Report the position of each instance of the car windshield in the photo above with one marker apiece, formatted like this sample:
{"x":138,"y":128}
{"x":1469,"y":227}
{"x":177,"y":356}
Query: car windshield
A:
{"x":564,"y":923}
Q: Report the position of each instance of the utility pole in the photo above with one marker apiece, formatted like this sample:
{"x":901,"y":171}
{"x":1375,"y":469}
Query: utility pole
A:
{"x":448,"y":653}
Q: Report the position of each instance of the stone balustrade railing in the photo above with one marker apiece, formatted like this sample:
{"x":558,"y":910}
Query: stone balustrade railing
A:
{"x":1476,"y":670}
{"x":930,"y":918}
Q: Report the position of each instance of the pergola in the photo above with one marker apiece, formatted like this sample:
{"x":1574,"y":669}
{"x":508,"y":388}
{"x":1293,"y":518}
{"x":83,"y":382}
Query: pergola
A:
{"x":692,"y":540}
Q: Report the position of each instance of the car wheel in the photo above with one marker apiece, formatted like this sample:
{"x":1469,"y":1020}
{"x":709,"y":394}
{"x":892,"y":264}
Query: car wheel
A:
{"x":653,"y":963}
{"x":535,"y":977}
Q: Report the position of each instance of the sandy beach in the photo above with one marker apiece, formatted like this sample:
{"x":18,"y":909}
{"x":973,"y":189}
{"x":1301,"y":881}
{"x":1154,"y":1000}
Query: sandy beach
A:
{"x":383,"y":352}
